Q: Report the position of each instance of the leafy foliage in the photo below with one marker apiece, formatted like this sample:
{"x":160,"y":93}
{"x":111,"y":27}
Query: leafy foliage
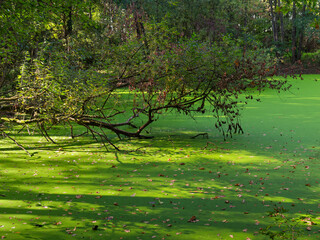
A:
{"x":285,"y":227}
{"x":80,"y":59}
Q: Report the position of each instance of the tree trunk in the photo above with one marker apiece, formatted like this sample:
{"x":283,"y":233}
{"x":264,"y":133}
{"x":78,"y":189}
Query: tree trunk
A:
{"x":245,"y":23}
{"x":90,"y":12}
{"x":281,"y":23}
{"x":141,"y":33}
{"x":69,"y":23}
{"x":301,"y":35}
{"x":105,"y":7}
{"x":276,"y":16}
{"x":294,"y":34}
{"x":274,"y":22}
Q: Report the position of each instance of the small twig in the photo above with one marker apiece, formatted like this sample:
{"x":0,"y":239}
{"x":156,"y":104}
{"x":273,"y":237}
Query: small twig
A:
{"x":72,"y":133}
{"x":205,"y":147}
{"x":22,"y":129}
{"x":204,"y":135}
{"x":18,"y":144}
{"x":138,"y":149}
{"x":102,"y":136}
{"x":44,"y":133}
{"x":108,"y":140}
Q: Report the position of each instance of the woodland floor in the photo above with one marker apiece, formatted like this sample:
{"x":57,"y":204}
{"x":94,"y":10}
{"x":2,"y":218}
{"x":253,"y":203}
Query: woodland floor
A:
{"x":173,"y":187}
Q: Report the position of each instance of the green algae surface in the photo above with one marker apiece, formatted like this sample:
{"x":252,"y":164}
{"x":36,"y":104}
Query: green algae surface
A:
{"x":173,"y":187}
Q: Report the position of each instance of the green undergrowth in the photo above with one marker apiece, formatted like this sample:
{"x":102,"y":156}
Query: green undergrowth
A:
{"x":173,"y":186}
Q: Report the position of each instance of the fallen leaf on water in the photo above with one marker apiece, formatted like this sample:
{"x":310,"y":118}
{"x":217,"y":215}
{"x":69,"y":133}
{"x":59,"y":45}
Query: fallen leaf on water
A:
{"x":192,"y":219}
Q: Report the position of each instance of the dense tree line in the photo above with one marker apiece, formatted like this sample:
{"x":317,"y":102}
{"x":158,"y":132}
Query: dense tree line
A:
{"x":77,"y":62}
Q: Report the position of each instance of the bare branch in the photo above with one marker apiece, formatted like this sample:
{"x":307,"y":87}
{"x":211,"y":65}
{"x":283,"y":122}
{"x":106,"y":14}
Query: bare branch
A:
{"x":15,"y":141}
